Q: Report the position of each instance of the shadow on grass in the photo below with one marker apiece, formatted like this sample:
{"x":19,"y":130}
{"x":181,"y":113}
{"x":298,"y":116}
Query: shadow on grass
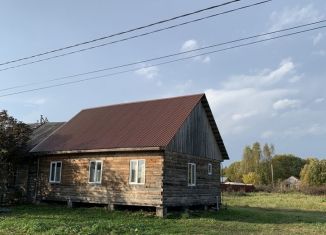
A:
{"x":261,"y":215}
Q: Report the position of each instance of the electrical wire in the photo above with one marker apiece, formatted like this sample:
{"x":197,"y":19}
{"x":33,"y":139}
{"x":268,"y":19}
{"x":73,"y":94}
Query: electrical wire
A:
{"x":162,"y":57}
{"x":166,"y":62}
{"x":130,"y":37}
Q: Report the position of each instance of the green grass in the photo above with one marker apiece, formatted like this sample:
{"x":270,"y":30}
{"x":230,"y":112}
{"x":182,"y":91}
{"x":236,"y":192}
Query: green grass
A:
{"x":256,"y":213}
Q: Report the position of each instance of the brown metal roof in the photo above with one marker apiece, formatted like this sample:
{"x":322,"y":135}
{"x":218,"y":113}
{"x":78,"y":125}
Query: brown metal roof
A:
{"x":141,"y":124}
{"x":42,"y":131}
{"x":132,"y":125}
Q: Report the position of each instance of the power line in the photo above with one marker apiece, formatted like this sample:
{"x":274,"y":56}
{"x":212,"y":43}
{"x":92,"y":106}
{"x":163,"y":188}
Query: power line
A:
{"x":121,"y":33}
{"x":165,"y":56}
{"x":166,"y":62}
{"x":127,"y":38}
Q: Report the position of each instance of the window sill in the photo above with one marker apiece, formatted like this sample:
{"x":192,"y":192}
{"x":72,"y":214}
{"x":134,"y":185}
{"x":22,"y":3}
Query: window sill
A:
{"x":95,"y":183}
{"x":136,"y":183}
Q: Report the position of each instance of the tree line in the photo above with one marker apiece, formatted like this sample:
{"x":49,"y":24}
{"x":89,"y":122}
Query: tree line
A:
{"x":14,"y":136}
{"x":260,"y":166}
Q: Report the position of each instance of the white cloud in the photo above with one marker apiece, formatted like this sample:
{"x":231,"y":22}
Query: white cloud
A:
{"x":286,"y":104}
{"x":317,"y":38}
{"x":319,"y":100}
{"x":192,"y":44}
{"x":301,"y":131}
{"x":149,"y":72}
{"x":240,"y":116}
{"x":265,"y":77}
{"x":296,"y":15}
{"x":234,"y":105}
{"x":243,"y":101}
{"x":189,"y":45}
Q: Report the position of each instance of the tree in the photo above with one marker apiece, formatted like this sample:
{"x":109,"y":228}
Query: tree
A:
{"x":251,"y":178}
{"x":256,"y":156}
{"x":233,"y":172}
{"x":314,"y":172}
{"x":13,"y":146}
{"x":287,"y":165}
{"x":266,"y":165}
{"x":247,"y":160}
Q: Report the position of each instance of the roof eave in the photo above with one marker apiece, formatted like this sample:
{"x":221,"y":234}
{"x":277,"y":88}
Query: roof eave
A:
{"x":60,"y":152}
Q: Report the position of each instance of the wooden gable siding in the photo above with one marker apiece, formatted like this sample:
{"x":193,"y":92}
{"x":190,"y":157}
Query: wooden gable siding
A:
{"x":175,"y":182}
{"x":195,"y":137}
{"x":114,"y":188}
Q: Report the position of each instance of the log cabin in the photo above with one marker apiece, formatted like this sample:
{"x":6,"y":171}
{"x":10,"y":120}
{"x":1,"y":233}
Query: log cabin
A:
{"x":158,"y":153}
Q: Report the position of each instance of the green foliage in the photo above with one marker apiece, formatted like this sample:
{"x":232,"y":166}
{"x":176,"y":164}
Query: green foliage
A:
{"x":251,"y":178}
{"x":247,"y":162}
{"x":314,"y":172}
{"x":268,"y":168}
{"x":287,"y":165}
{"x":233,"y":172}
{"x":13,"y":145}
{"x":13,"y":137}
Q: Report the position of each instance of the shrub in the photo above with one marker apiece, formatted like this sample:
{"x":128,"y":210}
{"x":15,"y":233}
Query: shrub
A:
{"x":314,"y":190}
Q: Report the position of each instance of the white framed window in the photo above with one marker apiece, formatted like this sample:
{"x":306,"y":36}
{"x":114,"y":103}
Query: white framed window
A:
{"x":95,"y":171}
{"x":191,"y":174}
{"x":209,"y":169}
{"x":55,"y":172}
{"x":137,"y":172}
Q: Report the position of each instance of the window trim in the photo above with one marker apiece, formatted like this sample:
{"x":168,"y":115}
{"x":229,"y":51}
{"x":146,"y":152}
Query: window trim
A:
{"x":55,"y":172}
{"x":209,"y":169}
{"x":89,"y":171}
{"x":194,"y":172}
{"x":137,"y":160}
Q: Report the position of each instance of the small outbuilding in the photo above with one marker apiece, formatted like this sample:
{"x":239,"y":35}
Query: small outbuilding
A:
{"x":158,"y":153}
{"x":291,"y":182}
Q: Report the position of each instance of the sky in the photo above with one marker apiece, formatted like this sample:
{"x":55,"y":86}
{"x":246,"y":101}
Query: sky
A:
{"x":272,"y":92}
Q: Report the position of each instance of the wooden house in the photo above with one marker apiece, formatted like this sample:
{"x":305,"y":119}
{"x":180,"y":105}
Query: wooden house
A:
{"x":158,"y":153}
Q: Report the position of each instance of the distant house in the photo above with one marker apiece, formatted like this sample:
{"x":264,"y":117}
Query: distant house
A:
{"x":291,"y":182}
{"x":158,"y":153}
{"x":237,"y":187}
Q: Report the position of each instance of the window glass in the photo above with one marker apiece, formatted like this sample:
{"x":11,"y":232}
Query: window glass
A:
{"x":133,"y":171}
{"x":141,"y":171}
{"x":95,"y":171}
{"x":137,"y":171}
{"x":98,"y":171}
{"x":191,"y":174}
{"x":58,"y":172}
{"x":52,"y":173}
{"x":55,"y":172}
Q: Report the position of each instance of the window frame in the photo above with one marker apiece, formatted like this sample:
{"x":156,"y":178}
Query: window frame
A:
{"x":136,"y":176}
{"x":89,"y":171}
{"x":192,"y":167}
{"x":209,"y":169}
{"x":55,"y":172}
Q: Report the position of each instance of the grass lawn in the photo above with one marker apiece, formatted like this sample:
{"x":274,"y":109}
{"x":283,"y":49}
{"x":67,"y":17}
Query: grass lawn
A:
{"x":256,"y":213}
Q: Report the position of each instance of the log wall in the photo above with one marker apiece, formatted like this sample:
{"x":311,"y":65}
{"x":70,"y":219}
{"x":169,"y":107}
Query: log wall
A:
{"x":114,"y":188}
{"x":195,"y":137}
{"x":175,"y":183}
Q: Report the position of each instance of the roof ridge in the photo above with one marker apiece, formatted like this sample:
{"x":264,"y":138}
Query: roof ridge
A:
{"x":144,"y":101}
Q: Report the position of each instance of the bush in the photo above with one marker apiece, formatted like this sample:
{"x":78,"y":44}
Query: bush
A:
{"x":314,"y":190}
{"x":264,"y":188}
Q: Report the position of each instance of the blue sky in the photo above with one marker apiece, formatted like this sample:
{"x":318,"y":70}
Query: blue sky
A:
{"x":273,"y":92}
